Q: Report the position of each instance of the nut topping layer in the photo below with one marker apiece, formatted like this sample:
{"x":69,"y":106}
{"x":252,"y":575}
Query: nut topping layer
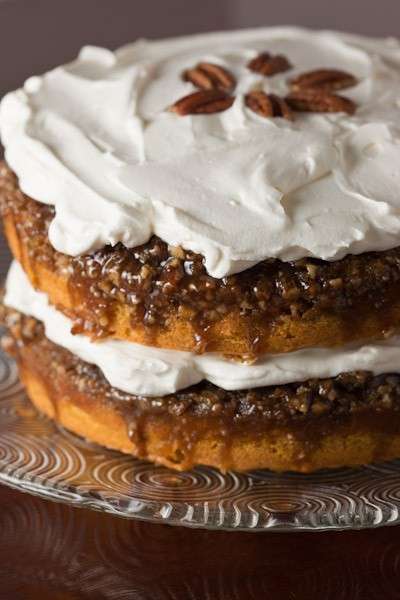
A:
{"x":208,"y":76}
{"x":158,"y":281}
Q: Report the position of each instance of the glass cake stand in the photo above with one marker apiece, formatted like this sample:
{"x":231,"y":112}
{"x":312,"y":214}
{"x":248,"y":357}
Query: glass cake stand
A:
{"x":41,"y":458}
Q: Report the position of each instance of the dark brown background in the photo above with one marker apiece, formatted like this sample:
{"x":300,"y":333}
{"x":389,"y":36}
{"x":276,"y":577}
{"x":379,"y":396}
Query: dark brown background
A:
{"x":37,"y":34}
{"x":54,"y":552}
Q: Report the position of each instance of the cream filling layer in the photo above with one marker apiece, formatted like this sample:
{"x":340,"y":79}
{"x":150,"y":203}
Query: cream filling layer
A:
{"x":95,"y":139}
{"x":147,"y":371}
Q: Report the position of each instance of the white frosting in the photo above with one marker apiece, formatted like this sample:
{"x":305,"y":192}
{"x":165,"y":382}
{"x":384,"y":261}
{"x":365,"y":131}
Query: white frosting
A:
{"x":143,"y":370}
{"x":94,"y":139}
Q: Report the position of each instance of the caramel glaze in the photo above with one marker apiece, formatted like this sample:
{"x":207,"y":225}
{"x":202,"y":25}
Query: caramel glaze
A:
{"x":308,"y":410}
{"x":157,"y":281}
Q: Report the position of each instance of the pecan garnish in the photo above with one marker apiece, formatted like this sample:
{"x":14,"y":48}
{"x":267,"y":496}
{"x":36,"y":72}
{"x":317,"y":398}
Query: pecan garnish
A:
{"x":268,"y":105}
{"x":310,"y":100}
{"x":208,"y":76}
{"x":328,"y":80}
{"x":203,"y":102}
{"x":269,"y":64}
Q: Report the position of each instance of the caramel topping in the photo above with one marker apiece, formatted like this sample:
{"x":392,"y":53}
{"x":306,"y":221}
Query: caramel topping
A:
{"x":157,"y":281}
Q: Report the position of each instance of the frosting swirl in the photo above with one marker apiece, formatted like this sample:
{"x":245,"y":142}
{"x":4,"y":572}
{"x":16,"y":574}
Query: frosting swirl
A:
{"x":94,"y":138}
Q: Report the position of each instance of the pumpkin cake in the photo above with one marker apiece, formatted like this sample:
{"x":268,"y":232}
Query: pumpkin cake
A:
{"x":206,"y":234}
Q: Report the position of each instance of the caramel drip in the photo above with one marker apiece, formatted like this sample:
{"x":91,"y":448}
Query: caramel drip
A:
{"x":136,"y":426}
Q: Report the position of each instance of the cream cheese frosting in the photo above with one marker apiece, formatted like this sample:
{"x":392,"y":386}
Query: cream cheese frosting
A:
{"x":143,"y":370}
{"x":95,"y":139}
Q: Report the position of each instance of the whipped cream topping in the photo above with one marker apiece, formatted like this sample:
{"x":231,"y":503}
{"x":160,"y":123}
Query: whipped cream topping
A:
{"x":94,"y":138}
{"x":142,"y":370}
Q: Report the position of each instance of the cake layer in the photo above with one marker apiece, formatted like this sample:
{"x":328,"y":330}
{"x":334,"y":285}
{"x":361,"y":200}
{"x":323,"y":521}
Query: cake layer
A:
{"x":348,"y":420}
{"x":142,"y":370}
{"x":118,"y":143}
{"x":162,"y":296}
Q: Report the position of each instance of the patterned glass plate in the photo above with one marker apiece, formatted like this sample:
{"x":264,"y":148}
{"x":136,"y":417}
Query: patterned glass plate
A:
{"x":39,"y":457}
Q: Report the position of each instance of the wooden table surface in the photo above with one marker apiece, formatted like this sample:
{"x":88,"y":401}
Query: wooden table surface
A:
{"x":50,"y":551}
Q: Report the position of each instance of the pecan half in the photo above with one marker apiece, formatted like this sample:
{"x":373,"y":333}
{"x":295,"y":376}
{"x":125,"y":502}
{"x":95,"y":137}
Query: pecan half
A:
{"x":203,"y":102}
{"x":310,"y":100}
{"x":269,"y":64}
{"x":267,"y":105}
{"x":327,"y":80}
{"x":208,"y":76}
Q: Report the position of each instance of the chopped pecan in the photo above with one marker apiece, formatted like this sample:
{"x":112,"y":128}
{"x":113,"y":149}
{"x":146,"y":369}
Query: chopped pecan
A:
{"x":203,"y":102}
{"x":269,"y":64}
{"x":328,"y":80}
{"x":310,"y":100}
{"x":208,"y":76}
{"x":268,"y":105}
